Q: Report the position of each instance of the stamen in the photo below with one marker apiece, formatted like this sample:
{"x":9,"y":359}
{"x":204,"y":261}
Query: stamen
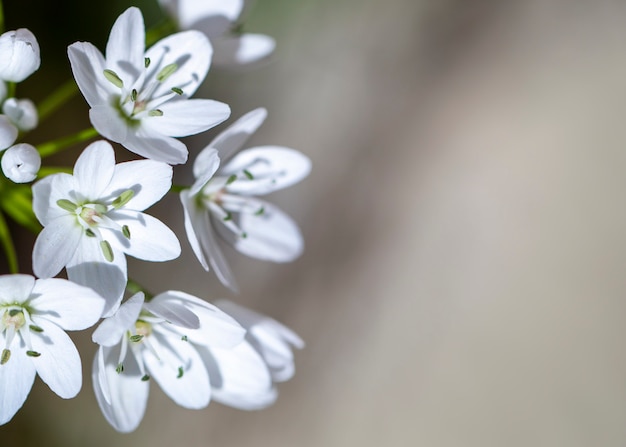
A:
{"x":119,"y":368}
{"x":123,"y":199}
{"x":166,"y":72}
{"x":107,"y":251}
{"x":126,"y":231}
{"x":231,"y":179}
{"x":177,"y":90}
{"x":67,"y":205}
{"x":35,"y":328}
{"x":145,"y":378}
{"x":6,"y":355}
{"x":146,"y":62}
{"x":248,"y":174}
{"x":180,"y":372}
{"x":33,"y":353}
{"x":155,"y":112}
{"x":133,"y":95}
{"x":113,"y":78}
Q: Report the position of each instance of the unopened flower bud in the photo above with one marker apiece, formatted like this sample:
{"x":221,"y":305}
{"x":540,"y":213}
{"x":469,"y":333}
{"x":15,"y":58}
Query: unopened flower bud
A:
{"x":22,"y":112}
{"x":8,"y":132}
{"x":19,"y":55}
{"x":21,"y":163}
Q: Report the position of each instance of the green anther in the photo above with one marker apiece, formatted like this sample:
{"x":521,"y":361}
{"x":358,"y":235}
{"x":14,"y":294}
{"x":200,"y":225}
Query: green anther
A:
{"x":123,"y":198}
{"x":136,"y":338}
{"x":90,"y":233}
{"x":99,"y":208}
{"x":231,"y":179}
{"x":146,"y":62}
{"x":133,"y":95}
{"x":107,"y":251}
{"x":227,"y":217}
{"x":155,"y":112}
{"x":177,"y":90}
{"x":35,"y":328}
{"x":166,"y":72}
{"x":183,"y":338}
{"x":260,"y":211}
{"x":145,"y":378}
{"x":67,"y":205}
{"x":113,"y":78}
{"x":180,"y":372}
{"x":248,"y":174}
{"x":32,"y":353}
{"x":14,"y":312}
{"x":119,"y":368}
{"x":6,"y":355}
{"x":126,"y":231}
{"x":244,"y":235}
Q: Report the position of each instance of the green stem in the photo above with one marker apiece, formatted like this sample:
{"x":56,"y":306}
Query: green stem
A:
{"x":1,"y":17}
{"x":55,"y":100}
{"x":52,"y":147}
{"x":9,"y":248}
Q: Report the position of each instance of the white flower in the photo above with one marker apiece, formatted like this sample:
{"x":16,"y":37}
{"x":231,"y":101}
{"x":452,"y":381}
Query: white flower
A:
{"x":244,"y":377}
{"x":33,"y":317}
{"x":222,"y":200}
{"x":8,"y":132}
{"x":157,"y":340}
{"x":141,"y":99}
{"x":19,"y":55}
{"x":217,"y":19}
{"x":93,"y":218}
{"x":21,"y":163}
{"x":22,"y":112}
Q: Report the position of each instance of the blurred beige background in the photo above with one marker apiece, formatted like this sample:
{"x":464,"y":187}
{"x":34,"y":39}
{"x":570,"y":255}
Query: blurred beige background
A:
{"x":463,"y":282}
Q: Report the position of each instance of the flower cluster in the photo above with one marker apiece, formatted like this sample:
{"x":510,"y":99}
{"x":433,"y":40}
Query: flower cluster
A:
{"x":89,"y":218}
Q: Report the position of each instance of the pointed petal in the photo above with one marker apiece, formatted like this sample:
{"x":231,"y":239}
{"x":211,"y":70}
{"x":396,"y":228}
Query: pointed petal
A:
{"x":46,"y":193}
{"x":156,"y":146}
{"x":173,"y":313}
{"x":126,"y":45}
{"x":244,"y":50}
{"x":189,"y":390}
{"x":59,"y":363}
{"x":55,"y":246}
{"x":212,"y":17}
{"x":16,"y":379}
{"x":112,"y":329}
{"x":203,"y":242}
{"x":272,"y":168}
{"x":235,"y":136}
{"x":191,"y":52}
{"x":272,"y":236}
{"x":187,"y":117}
{"x":88,"y":66}
{"x":89,"y":268}
{"x":150,"y":180}
{"x":68,"y":305}
{"x":109,"y":123}
{"x":94,"y":168}
{"x":16,"y":288}
{"x":204,"y":167}
{"x":150,"y":239}
{"x":127,"y":393}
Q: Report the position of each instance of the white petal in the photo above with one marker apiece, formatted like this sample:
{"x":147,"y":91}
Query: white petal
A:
{"x":8,"y":132}
{"x":89,"y":268}
{"x":88,"y":67}
{"x":189,"y":390}
{"x":21,"y":163}
{"x":156,"y":146}
{"x":232,"y":139}
{"x":109,"y":123}
{"x":150,"y":180}
{"x":216,"y":327}
{"x":203,"y":242}
{"x":239,"y":377}
{"x":59,"y":363}
{"x":150,"y":239}
{"x":55,"y":245}
{"x":46,"y":193}
{"x":112,"y":329}
{"x":15,"y":288}
{"x":242,"y":50}
{"x":173,"y":313}
{"x":16,"y":379}
{"x":94,"y":168}
{"x":126,"y":45}
{"x":22,"y":112}
{"x":127,"y":393}
{"x":204,"y":167}
{"x":213,"y":17}
{"x":187,"y":117}
{"x":271,"y":236}
{"x":272,"y":168}
{"x":68,"y":305}
{"x":191,"y":52}
{"x":19,"y":55}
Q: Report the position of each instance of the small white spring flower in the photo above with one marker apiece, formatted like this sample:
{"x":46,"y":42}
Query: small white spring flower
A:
{"x":93,"y":218}
{"x":141,"y":99}
{"x":33,"y":317}
{"x":21,"y":163}
{"x":222,"y":200}
{"x":22,"y":112}
{"x":217,"y":19}
{"x":8,"y":132}
{"x":19,"y":55}
{"x":157,"y":340}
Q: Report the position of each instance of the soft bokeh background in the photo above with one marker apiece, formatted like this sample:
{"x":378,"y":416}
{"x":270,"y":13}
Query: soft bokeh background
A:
{"x":463,"y":282}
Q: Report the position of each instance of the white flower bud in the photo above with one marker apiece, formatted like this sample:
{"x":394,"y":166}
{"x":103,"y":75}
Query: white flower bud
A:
{"x":22,"y":112}
{"x":19,"y":55}
{"x":8,"y":132}
{"x":21,"y":163}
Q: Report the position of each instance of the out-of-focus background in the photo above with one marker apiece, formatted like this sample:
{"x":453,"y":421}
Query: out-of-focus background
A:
{"x":463,"y":282}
